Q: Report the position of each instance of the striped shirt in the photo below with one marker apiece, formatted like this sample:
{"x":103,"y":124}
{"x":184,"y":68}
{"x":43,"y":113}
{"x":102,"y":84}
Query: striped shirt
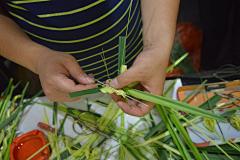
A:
{"x":83,"y":28}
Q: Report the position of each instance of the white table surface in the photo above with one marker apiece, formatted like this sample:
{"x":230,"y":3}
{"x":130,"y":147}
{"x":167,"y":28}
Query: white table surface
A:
{"x":34,"y":114}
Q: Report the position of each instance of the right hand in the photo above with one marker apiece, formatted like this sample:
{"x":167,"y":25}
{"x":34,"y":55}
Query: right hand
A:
{"x":54,"y":69}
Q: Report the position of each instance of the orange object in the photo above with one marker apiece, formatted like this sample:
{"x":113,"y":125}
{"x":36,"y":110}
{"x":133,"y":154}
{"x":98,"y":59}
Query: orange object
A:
{"x":27,"y":144}
{"x":46,"y":127}
{"x":201,"y":97}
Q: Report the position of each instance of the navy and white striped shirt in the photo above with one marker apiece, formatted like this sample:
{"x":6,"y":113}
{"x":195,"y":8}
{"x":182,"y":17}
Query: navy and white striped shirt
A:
{"x":83,"y":28}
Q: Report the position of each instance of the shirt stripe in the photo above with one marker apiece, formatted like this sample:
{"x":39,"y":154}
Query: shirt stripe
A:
{"x":84,"y":29}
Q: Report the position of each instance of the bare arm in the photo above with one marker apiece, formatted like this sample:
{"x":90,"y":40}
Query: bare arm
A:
{"x":159,"y":24}
{"x":54,"y":68}
{"x":16,"y":45}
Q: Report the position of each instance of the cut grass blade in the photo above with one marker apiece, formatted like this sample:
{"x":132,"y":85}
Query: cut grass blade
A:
{"x":229,"y":113}
{"x":15,"y":122}
{"x":49,"y":135}
{"x":15,"y":114}
{"x":218,"y":157}
{"x":164,"y":135}
{"x":62,"y":121}
{"x":6,"y":94}
{"x":154,"y":130}
{"x":55,"y":104}
{"x":104,"y":61}
{"x":213,"y":100}
{"x":161,"y":124}
{"x":170,"y":68}
{"x":5,"y":138}
{"x":184,"y":134}
{"x":121,"y":52}
{"x":173,"y":133}
{"x":205,"y":135}
{"x":41,"y":149}
{"x":167,"y":147}
{"x":163,"y":154}
{"x":173,"y":104}
{"x":194,"y":91}
{"x":214,"y":149}
{"x":5,"y":103}
{"x":84,"y":92}
{"x":71,"y":112}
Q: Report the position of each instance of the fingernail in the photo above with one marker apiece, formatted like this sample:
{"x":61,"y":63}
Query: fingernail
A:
{"x":89,"y":79}
{"x":114,"y":83}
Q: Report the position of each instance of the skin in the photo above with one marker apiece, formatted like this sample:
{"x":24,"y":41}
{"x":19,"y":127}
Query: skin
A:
{"x":159,"y":21}
{"x":19,"y":48}
{"x":149,"y":68}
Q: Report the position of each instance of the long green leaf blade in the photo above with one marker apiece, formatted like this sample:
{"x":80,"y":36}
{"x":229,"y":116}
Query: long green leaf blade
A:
{"x":15,"y":114}
{"x":84,"y":92}
{"x":173,"y":104}
{"x":173,"y":133}
{"x":121,"y":52}
{"x":170,"y":68}
{"x":185,"y":135}
{"x":194,"y":91}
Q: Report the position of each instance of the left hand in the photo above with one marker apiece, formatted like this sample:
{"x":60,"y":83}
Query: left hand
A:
{"x":149,"y":68}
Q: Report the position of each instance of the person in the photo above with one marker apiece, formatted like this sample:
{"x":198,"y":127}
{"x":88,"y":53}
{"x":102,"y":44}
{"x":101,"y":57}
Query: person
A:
{"x":58,"y":39}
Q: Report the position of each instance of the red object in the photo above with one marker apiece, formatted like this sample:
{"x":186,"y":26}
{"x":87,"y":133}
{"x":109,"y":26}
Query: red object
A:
{"x":191,"y":39}
{"x":28,"y":144}
{"x":190,"y":36}
{"x":46,"y":127}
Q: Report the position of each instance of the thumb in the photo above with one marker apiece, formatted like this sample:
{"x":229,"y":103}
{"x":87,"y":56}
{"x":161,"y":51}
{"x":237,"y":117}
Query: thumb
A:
{"x":124,"y":79}
{"x":78,"y":74}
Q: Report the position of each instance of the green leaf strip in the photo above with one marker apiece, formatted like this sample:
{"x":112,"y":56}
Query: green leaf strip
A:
{"x":15,"y":114}
{"x":84,"y":92}
{"x":173,"y":104}
{"x":121,"y":52}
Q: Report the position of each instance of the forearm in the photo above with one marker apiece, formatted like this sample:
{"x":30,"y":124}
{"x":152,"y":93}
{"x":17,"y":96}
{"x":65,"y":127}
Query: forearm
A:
{"x":16,"y":46}
{"x":159,"y":23}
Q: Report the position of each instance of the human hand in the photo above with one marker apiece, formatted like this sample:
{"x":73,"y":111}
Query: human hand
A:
{"x":54,"y":69}
{"x":149,"y":69}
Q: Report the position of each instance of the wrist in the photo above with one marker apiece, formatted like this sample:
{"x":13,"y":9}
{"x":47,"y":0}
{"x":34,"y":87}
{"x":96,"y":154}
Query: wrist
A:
{"x":158,"y":50}
{"x":36,"y":54}
{"x":159,"y":42}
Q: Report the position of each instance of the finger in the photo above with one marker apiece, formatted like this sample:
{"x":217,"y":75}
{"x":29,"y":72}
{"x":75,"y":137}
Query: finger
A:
{"x":145,"y":108}
{"x":57,"y":95}
{"x":63,"y":98}
{"x":66,"y":85}
{"x":138,"y":87}
{"x":107,"y":82}
{"x":132,"y":102}
{"x":77,"y":72}
{"x":134,"y":110}
{"x":125,"y":78}
{"x":117,"y":98}
{"x":150,"y":105}
{"x":90,"y":75}
{"x":132,"y":107}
